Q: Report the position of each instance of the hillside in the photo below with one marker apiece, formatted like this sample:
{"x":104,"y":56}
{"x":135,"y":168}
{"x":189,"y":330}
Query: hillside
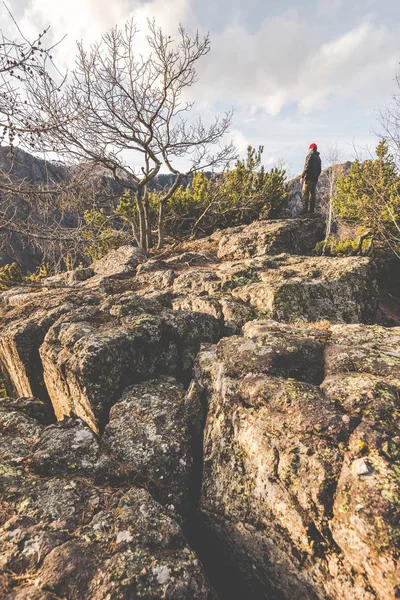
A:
{"x":218,"y":424}
{"x":27,"y":170}
{"x":27,"y":251}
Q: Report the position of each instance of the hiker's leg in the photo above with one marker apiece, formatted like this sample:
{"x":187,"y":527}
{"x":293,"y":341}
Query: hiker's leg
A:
{"x":313,"y":202}
{"x":306,"y":196}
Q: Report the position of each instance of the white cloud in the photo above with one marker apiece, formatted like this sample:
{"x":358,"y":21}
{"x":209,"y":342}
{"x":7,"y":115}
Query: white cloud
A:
{"x":240,"y":141}
{"x":292,"y":75}
{"x":277,"y":65}
{"x":87,"y":20}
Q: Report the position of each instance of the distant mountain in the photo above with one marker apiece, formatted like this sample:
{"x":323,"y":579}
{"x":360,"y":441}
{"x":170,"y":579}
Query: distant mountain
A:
{"x":22,"y":167}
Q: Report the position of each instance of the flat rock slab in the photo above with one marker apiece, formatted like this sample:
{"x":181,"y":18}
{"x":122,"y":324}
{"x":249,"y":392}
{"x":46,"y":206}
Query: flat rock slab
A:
{"x":261,"y":238}
{"x":286,"y":288}
{"x":302,"y":458}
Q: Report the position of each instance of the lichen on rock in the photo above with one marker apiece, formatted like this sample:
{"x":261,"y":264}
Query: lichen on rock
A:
{"x":301,"y":480}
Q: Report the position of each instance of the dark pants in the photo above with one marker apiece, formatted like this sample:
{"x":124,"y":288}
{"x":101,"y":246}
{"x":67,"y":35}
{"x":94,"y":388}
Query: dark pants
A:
{"x":309,"y":196}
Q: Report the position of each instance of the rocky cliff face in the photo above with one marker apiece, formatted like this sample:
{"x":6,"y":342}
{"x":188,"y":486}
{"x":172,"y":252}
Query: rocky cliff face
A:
{"x":300,"y":481}
{"x":240,"y":390}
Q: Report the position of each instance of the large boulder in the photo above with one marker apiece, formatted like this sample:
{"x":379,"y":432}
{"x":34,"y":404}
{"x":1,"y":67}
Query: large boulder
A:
{"x":82,"y":541}
{"x":69,"y":278}
{"x":301,"y":473}
{"x":261,"y":238}
{"x":90,"y":355}
{"x":231,"y":312}
{"x":296,"y":289}
{"x":122,"y":261}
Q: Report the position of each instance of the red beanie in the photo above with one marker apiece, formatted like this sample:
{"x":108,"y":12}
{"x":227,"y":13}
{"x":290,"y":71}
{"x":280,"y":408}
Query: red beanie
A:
{"x":312,"y":146}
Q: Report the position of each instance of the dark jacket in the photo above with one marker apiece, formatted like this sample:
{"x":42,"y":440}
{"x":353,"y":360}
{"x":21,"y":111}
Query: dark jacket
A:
{"x":312,"y":167}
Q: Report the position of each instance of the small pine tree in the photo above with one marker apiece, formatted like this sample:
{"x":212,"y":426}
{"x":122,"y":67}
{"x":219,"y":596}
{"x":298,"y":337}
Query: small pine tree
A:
{"x":10,"y":275}
{"x":238,"y":196}
{"x":369,"y":195}
{"x":100,"y":233}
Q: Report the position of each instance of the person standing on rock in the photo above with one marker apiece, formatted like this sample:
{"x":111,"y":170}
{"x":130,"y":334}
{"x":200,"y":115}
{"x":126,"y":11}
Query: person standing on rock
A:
{"x":309,"y":179}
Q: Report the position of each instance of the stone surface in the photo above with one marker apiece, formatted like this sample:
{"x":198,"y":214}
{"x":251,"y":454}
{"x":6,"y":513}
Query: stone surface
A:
{"x":67,"y":537}
{"x":261,"y":238}
{"x":22,"y":330}
{"x":314,"y":289}
{"x":32,"y":407}
{"x":93,"y":353}
{"x":373,"y":350}
{"x":82,"y":541}
{"x":301,"y":473}
{"x":67,"y":448}
{"x":289,"y":288}
{"x":148,"y":433}
{"x":19,"y":432}
{"x":69,"y":278}
{"x":121,"y":261}
{"x":289,"y":428}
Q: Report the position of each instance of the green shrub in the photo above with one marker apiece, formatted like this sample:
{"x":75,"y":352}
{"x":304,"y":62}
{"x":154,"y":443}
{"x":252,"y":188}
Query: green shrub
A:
{"x":237,"y":197}
{"x":346,"y":246}
{"x":100,"y":234}
{"x":10,"y":275}
{"x":369,"y":195}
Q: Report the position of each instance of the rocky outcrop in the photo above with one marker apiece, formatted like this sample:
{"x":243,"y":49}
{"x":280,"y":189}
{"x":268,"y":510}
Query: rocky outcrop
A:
{"x":301,"y":458}
{"x":22,"y":331}
{"x":286,"y":288}
{"x":261,"y":238}
{"x":64,"y":536}
{"x":120,"y":261}
{"x":286,"y":439}
{"x":93,"y":353}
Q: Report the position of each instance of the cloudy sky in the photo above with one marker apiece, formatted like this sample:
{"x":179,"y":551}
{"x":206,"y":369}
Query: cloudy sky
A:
{"x":294,"y":72}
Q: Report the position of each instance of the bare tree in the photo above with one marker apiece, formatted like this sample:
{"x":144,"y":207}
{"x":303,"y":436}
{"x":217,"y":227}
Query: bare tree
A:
{"x":331,"y":175}
{"x":128,"y":113}
{"x":44,"y":220}
{"x":20,"y":60}
{"x":390,"y":122}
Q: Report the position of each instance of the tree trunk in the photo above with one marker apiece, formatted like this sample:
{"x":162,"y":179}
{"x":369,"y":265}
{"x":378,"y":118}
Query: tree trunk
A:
{"x":161,"y":232}
{"x":328,"y":226}
{"x":149,"y":239}
{"x":359,"y":248}
{"x":135,"y":232}
{"x":142,"y":220}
